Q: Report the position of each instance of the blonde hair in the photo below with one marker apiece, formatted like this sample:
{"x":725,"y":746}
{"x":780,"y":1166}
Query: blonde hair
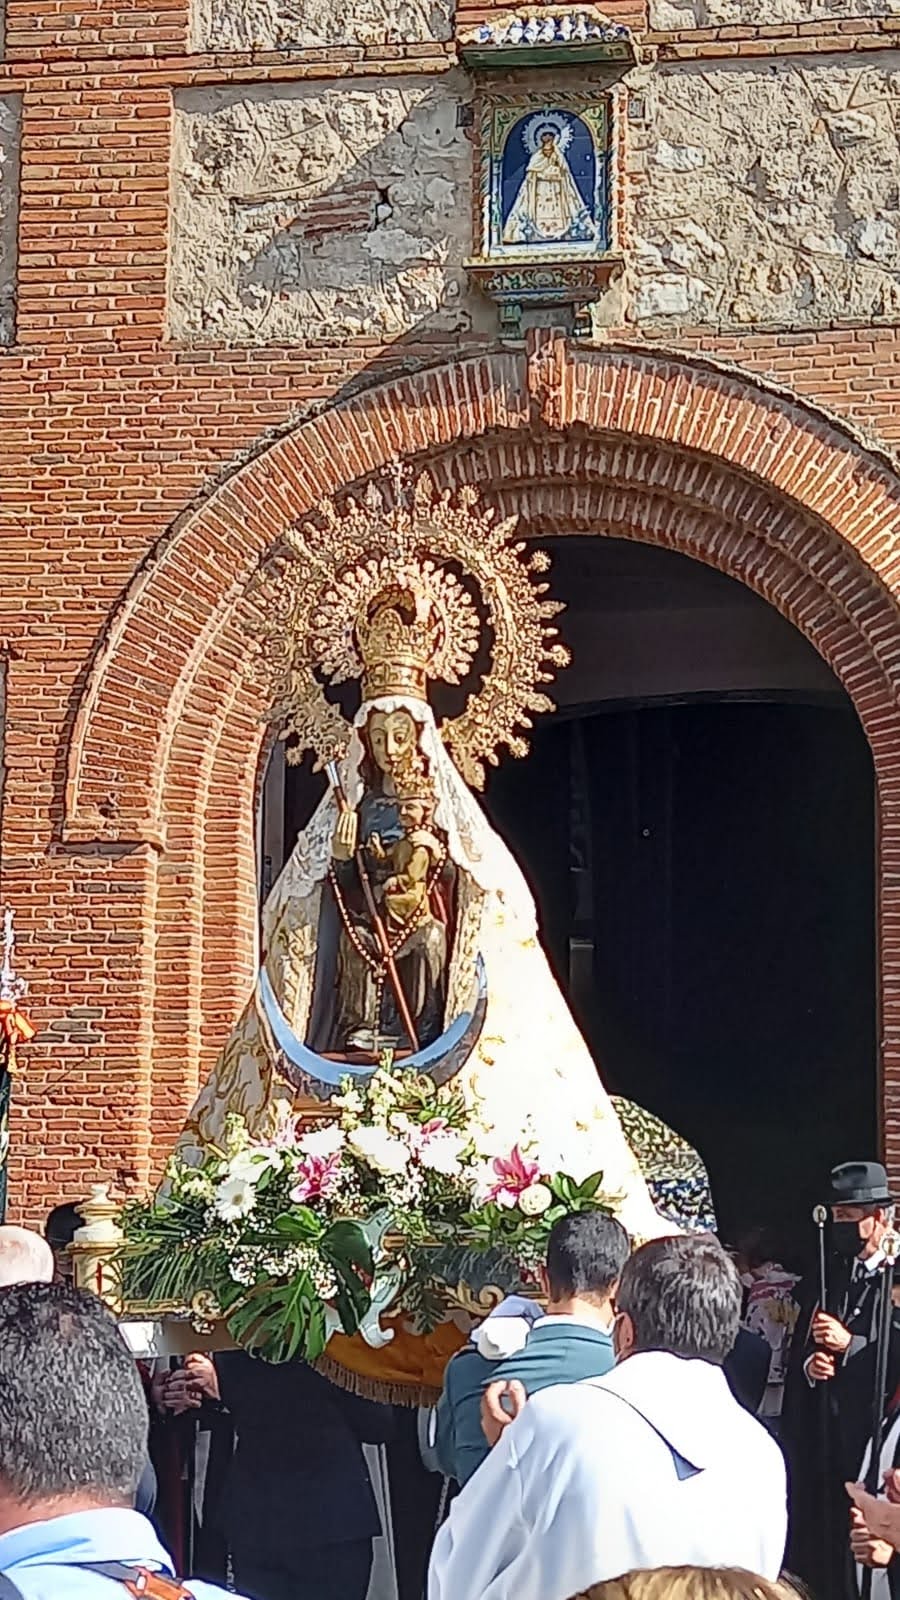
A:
{"x":689,"y":1583}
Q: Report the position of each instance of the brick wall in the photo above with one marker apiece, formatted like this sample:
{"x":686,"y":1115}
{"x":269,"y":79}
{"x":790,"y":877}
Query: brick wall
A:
{"x":136,"y":921}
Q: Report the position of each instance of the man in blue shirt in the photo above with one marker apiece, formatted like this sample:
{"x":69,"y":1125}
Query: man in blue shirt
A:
{"x":73,"y":1429}
{"x":573,"y":1340}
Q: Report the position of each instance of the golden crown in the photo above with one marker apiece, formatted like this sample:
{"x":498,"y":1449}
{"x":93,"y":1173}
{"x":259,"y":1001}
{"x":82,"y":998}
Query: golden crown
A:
{"x":381,"y":590}
{"x":398,"y":639}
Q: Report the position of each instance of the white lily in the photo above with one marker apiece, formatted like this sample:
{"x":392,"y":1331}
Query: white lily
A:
{"x":442,"y":1152}
{"x":250,"y":1164}
{"x":378,"y":1149}
{"x":322,"y":1142}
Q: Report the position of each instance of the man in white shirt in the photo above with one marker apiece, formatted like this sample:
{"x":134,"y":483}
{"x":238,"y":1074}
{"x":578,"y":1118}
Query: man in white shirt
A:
{"x":654,"y":1465}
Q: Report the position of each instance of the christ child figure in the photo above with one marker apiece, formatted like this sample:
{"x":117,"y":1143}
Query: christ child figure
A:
{"x":413,"y":860}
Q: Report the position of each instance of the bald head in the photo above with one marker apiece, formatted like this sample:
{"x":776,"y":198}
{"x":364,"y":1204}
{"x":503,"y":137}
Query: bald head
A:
{"x":24,"y":1257}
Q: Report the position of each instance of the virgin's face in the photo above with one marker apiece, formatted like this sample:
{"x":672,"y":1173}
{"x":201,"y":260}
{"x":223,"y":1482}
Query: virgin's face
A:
{"x":392,"y":737}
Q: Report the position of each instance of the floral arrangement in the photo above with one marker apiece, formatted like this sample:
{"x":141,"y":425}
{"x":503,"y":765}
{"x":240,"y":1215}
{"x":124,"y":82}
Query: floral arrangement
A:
{"x":394,"y":1204}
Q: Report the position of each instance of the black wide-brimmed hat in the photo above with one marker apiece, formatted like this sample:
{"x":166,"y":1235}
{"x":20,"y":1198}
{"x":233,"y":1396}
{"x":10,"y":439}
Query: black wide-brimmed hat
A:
{"x":859,"y":1183}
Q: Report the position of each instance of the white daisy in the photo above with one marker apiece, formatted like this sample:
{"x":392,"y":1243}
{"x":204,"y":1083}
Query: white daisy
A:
{"x":235,"y":1198}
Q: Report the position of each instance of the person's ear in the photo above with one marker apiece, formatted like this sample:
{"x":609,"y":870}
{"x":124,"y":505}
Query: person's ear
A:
{"x":623,"y":1335}
{"x":545,"y":1282}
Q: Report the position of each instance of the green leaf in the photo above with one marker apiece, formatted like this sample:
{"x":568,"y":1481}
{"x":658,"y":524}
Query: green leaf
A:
{"x":347,"y":1250}
{"x":345,"y":1241}
{"x":563,"y":1189}
{"x":352,"y":1297}
{"x":280,"y":1321}
{"x":299,"y":1223}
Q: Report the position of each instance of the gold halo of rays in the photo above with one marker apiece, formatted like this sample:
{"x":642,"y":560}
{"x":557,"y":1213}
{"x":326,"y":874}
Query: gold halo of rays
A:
{"x":319,"y":589}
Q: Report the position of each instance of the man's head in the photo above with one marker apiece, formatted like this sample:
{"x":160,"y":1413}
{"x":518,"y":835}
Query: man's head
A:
{"x":860,"y":1202}
{"x":73,"y":1418}
{"x":60,"y":1229}
{"x":585,"y":1256}
{"x":680,"y":1295}
{"x":24,"y":1257}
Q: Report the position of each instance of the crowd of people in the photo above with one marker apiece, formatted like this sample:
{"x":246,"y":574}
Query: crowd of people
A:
{"x":677,"y":1421}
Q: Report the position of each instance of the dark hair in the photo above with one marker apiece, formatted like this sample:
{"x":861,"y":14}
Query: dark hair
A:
{"x":73,"y":1418}
{"x":758,"y":1245}
{"x":62,"y":1225}
{"x":585,"y":1254}
{"x":683,"y":1295}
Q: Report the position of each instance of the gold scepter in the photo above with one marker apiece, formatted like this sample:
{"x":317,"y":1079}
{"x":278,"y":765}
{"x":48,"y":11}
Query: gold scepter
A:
{"x":334,"y":778}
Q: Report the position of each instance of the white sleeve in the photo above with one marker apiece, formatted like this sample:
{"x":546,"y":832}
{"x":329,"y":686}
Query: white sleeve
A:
{"x":484,"y":1531}
{"x":528,"y":1521}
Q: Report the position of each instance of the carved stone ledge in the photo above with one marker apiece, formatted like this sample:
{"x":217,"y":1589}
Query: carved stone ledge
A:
{"x":515,"y":285}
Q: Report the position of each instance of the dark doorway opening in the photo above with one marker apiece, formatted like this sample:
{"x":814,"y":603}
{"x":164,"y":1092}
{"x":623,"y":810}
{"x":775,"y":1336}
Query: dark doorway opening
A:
{"x":705,"y":874}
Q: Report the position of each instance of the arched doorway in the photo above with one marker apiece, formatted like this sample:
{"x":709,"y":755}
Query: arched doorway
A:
{"x":579,"y":442}
{"x":697,"y":824}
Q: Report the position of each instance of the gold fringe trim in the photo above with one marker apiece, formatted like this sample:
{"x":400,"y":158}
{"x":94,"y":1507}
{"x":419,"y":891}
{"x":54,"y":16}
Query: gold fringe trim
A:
{"x":386,"y":1394}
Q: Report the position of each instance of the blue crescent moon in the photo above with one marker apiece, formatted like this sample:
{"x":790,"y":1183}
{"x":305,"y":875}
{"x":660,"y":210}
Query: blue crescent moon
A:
{"x":304,"y":1068}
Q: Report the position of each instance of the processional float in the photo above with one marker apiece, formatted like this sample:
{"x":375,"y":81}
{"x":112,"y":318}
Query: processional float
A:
{"x":405,"y":1105}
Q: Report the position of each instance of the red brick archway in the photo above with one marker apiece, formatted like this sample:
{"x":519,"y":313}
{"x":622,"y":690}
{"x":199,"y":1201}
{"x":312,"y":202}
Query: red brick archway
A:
{"x":165,"y":754}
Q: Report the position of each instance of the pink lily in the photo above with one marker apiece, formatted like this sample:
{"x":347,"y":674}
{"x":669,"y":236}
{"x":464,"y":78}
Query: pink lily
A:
{"x":515,"y":1173}
{"x":429,"y":1129}
{"x":316,"y":1178}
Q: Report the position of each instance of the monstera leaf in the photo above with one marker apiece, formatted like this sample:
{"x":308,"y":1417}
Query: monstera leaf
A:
{"x":279,"y":1321}
{"x":349,"y":1253}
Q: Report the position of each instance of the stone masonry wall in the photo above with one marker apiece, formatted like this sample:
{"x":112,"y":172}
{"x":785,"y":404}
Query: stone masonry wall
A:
{"x":10,"y":109}
{"x":757,"y":194}
{"x":321,"y":212}
{"x":767,"y":193}
{"x":298,"y":24}
{"x":685,"y":14}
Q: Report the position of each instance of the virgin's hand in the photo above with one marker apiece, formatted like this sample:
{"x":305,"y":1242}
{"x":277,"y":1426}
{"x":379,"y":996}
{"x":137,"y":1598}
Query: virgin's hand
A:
{"x":820,"y":1367}
{"x":343,"y":843}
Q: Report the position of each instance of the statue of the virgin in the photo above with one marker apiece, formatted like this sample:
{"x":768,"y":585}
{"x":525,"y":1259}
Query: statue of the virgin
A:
{"x":401,"y":920}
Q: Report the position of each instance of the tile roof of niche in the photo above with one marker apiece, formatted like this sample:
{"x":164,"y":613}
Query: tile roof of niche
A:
{"x":541,"y":36}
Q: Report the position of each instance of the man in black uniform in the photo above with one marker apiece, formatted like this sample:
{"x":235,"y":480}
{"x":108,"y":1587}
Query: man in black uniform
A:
{"x":829,"y":1390}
